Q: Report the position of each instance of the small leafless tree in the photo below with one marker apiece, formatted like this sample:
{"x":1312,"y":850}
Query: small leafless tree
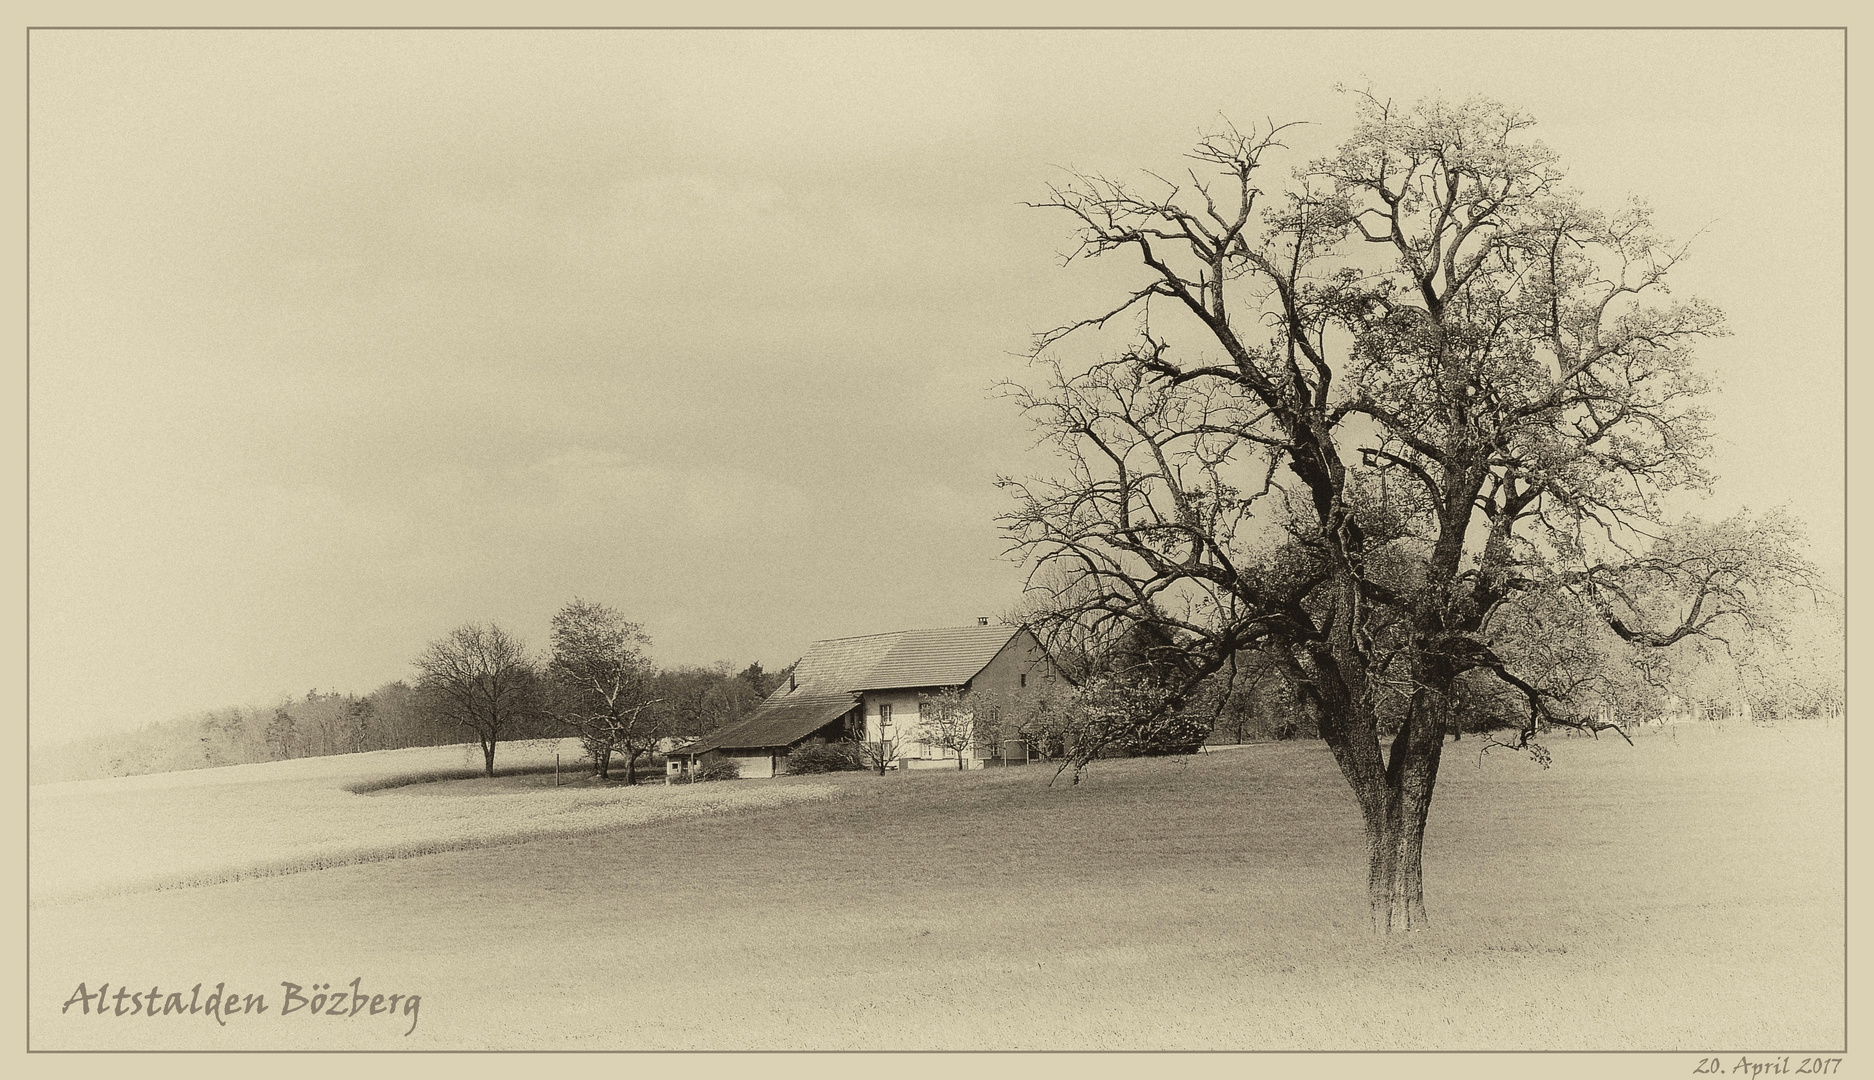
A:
{"x":877,"y":754}
{"x":480,"y":679}
{"x":946,"y":720}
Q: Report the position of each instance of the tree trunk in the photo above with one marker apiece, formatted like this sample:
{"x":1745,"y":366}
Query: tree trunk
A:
{"x":1395,"y":851}
{"x":1396,"y":842}
{"x":631,"y":767}
{"x":605,"y":763}
{"x":1382,"y":855}
{"x":488,"y":757}
{"x":1415,"y":800}
{"x":1395,"y":794}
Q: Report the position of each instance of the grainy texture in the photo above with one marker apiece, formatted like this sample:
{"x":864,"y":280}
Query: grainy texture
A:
{"x":1685,"y":893}
{"x":139,"y":834}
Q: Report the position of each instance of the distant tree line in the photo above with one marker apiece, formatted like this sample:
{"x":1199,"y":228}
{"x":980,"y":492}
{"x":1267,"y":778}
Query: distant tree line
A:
{"x":543,"y":696}
{"x":1125,"y":685}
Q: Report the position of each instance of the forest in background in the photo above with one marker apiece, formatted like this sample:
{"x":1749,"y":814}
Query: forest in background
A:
{"x":696,"y":700}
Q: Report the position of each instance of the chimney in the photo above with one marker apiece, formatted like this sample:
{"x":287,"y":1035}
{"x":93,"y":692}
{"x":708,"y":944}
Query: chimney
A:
{"x":982,"y":620}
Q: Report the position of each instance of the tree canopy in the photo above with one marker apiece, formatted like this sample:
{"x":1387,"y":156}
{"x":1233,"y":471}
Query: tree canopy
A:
{"x":602,"y":684}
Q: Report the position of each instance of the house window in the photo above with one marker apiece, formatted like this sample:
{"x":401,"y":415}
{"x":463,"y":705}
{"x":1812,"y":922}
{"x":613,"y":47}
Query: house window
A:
{"x":884,"y":716}
{"x":1024,"y":679}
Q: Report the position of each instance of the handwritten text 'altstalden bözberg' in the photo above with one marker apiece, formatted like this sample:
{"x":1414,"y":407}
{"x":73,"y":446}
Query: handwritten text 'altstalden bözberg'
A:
{"x":318,"y":1000}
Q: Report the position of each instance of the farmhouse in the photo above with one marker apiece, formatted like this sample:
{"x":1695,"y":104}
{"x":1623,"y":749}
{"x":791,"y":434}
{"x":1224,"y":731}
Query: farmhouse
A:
{"x":871,"y":688}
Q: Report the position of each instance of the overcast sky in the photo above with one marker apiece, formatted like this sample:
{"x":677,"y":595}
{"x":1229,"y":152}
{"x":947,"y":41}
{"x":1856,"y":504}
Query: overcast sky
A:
{"x":340,"y":339}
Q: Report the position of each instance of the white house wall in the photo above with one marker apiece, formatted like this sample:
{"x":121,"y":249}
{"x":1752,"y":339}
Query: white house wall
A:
{"x":904,"y":725}
{"x":1020,"y":663}
{"x":1021,"y":657}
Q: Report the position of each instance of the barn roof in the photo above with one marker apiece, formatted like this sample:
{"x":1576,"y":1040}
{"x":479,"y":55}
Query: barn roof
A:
{"x":827,"y":679}
{"x":822,"y":692}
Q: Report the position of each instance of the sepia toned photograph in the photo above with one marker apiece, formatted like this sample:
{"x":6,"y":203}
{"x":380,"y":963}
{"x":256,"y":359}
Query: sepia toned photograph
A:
{"x":938,"y":540}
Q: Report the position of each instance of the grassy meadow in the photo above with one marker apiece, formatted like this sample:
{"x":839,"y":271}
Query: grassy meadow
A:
{"x":1682,"y":894}
{"x":93,"y":838}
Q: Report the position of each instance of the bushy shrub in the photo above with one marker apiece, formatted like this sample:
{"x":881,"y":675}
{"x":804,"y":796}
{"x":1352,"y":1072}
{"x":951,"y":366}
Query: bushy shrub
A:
{"x":719,"y":769}
{"x":822,"y":757}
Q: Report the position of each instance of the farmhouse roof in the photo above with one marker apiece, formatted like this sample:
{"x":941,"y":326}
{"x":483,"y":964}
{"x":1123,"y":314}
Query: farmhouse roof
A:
{"x":827,"y":680}
{"x":928,"y":658}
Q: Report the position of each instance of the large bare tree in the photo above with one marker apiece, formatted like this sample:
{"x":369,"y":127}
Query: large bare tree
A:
{"x":1370,"y":406}
{"x":479,"y":678}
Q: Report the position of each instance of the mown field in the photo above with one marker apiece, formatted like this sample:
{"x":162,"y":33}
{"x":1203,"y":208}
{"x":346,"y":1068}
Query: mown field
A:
{"x":1682,"y":894}
{"x":94,"y":838}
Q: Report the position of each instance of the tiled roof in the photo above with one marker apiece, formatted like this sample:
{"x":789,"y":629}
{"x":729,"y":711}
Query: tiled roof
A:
{"x":827,"y":678}
{"x":931,"y":658}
